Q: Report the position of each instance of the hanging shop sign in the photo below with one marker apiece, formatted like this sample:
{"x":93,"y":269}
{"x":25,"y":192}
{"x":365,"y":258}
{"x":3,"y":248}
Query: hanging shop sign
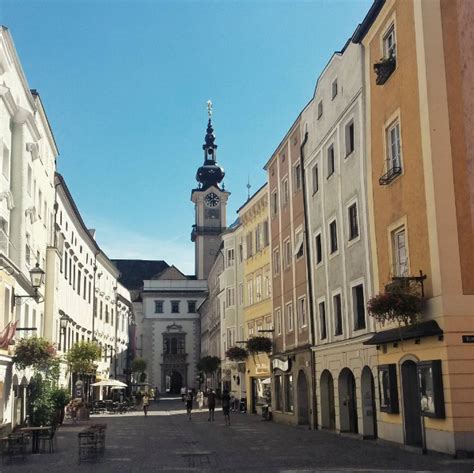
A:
{"x":282,"y":365}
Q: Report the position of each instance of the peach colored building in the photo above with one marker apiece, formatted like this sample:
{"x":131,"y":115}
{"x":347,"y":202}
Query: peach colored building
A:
{"x":419,"y":111}
{"x":292,"y":364}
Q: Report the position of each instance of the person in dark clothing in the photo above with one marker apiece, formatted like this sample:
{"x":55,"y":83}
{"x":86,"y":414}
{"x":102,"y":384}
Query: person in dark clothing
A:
{"x":226,"y":407}
{"x":211,"y":404}
{"x":189,"y":403}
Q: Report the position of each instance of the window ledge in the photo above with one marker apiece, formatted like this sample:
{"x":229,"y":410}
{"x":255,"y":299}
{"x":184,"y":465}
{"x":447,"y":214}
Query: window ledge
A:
{"x":348,"y":155}
{"x":353,"y":241}
{"x":330,"y":175}
{"x":333,"y":255}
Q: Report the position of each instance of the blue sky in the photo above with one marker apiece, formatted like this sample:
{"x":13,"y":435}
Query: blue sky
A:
{"x":125,"y":85}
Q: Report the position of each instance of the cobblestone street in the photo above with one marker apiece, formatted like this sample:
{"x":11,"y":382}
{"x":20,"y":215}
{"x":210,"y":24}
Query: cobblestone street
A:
{"x":166,"y":441}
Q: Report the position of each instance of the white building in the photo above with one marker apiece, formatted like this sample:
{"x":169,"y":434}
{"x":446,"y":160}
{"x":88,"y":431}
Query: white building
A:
{"x":171,"y":329}
{"x":28,"y":154}
{"x":336,"y":192}
{"x":82,"y":287}
{"x":232,"y":320}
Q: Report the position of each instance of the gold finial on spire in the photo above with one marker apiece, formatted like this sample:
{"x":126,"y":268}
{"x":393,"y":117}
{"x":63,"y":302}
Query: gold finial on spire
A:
{"x":209,"y":108}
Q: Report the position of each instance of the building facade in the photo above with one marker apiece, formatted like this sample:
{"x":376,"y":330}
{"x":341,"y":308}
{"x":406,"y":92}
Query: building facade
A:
{"x":232,"y":323}
{"x":170,"y":329}
{"x":257,"y":287}
{"x":292,"y":359}
{"x":82,"y":288}
{"x":421,"y":212}
{"x":28,"y":155}
{"x":336,"y":192}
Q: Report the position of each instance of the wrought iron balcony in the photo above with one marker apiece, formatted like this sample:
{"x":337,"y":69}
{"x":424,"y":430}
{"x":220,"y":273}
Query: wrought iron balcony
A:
{"x":384,"y":69}
{"x":389,"y":176}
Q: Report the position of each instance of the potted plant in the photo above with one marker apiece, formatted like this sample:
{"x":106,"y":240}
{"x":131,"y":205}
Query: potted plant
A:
{"x":34,"y":352}
{"x":397,"y":304}
{"x":236,"y":354}
{"x":259,"y":344}
{"x":384,"y":68}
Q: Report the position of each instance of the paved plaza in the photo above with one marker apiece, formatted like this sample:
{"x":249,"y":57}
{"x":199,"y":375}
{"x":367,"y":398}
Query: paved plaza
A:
{"x":166,"y":441}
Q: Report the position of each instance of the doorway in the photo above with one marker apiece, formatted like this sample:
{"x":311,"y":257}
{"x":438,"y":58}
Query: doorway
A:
{"x":176,"y":382}
{"x":347,"y":402}
{"x":328,"y":411}
{"x":369,"y":412}
{"x":411,"y":404}
{"x":302,"y":399}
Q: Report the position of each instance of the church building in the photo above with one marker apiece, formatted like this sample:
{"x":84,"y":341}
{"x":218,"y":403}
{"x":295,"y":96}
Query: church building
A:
{"x":166,"y":301}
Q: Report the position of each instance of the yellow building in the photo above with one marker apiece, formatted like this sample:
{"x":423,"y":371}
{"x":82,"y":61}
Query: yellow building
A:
{"x":257,"y":294}
{"x":419,"y":62}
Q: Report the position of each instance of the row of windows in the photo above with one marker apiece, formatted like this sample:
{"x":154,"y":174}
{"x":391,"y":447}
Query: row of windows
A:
{"x":262,"y":286}
{"x":358,"y":315}
{"x":76,"y":278}
{"x":333,"y":245}
{"x":175,"y":307}
{"x":285,"y":189}
{"x":331,"y":157}
{"x":257,"y":240}
{"x":287,"y":323}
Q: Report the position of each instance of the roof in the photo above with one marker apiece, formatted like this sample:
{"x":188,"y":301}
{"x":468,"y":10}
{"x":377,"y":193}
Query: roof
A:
{"x":170,"y":273}
{"x":367,"y":22}
{"x":429,"y":328}
{"x":135,"y":271}
{"x":252,"y":197}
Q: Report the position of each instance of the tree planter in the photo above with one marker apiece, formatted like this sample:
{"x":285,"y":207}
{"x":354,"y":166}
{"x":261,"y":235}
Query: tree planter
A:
{"x":259,"y":345}
{"x":236,"y":354}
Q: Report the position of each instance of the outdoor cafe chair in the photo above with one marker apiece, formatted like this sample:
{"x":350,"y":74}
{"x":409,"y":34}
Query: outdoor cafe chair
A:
{"x":47,"y":438}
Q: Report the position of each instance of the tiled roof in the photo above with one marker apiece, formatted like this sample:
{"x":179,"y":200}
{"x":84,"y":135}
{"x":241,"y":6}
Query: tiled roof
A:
{"x":135,"y":271}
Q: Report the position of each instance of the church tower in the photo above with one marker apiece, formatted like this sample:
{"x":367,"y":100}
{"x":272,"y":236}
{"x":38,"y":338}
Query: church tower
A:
{"x":210,"y":200}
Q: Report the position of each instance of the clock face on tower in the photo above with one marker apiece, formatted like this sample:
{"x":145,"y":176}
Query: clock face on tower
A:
{"x":211,"y":200}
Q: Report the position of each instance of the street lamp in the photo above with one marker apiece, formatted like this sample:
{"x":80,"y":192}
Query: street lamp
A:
{"x":63,"y":321}
{"x":37,"y":279}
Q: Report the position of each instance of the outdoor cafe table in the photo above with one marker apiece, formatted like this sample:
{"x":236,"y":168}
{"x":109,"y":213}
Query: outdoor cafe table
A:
{"x":35,"y":432}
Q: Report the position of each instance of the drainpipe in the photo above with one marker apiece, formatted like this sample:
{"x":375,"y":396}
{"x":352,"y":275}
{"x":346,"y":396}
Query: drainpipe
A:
{"x":310,"y":284}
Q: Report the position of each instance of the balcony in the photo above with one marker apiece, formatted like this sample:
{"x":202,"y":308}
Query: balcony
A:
{"x":205,"y":231}
{"x":389,"y":176}
{"x":384,"y":69}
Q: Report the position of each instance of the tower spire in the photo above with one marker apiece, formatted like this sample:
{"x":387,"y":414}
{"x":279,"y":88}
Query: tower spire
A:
{"x":210,"y":174}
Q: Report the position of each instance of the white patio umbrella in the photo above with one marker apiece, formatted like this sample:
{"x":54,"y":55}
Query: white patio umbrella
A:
{"x":110,"y":382}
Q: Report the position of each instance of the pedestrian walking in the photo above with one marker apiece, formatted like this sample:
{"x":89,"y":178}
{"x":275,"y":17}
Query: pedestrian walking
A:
{"x":200,"y":399}
{"x":189,"y":403}
{"x":211,"y":404}
{"x":226,"y":407}
{"x":146,"y":403}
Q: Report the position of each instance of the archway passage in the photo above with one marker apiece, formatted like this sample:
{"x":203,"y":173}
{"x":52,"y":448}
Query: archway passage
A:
{"x":347,"y":402}
{"x":328,"y":411}
{"x":302,"y":399}
{"x":176,"y":382}
{"x":411,"y":404}
{"x":369,"y":412}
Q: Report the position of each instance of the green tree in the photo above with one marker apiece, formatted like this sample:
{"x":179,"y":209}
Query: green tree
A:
{"x":82,"y":357}
{"x":139,"y":365}
{"x":208,"y":364}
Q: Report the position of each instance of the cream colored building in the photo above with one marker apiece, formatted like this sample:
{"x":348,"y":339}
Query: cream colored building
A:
{"x":336,"y":193}
{"x":257,"y":290}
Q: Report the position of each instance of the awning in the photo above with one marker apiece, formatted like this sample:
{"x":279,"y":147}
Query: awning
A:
{"x":267,"y":381}
{"x":110,"y":382}
{"x":423,"y":329}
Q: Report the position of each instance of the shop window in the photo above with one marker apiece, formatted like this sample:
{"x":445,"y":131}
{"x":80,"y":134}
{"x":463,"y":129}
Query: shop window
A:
{"x":388,"y":391}
{"x":431,"y":388}
{"x":289,"y":405}
{"x":278,"y":393}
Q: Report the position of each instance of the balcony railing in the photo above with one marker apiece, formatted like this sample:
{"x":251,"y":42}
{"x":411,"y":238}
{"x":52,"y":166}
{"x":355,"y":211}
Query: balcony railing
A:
{"x":178,"y":358}
{"x":389,"y":176}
